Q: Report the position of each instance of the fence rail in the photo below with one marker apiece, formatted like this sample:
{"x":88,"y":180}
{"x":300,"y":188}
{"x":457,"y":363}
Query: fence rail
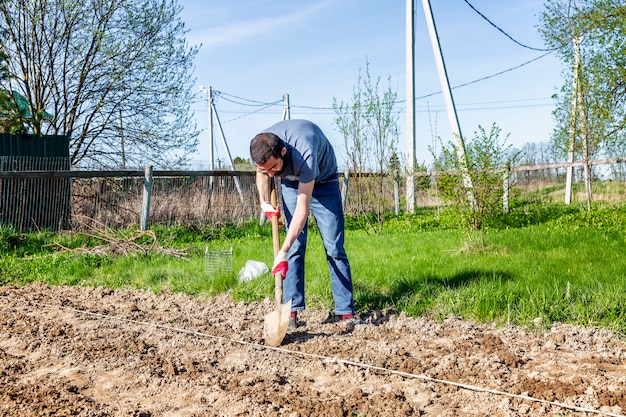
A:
{"x":223,"y":173}
{"x":568,"y":164}
{"x":60,"y":198}
{"x":119,"y":174}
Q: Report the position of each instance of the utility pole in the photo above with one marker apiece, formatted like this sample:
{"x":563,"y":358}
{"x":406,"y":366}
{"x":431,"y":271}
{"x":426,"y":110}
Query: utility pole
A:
{"x":209,"y":96}
{"x":573,"y":120}
{"x":410,"y":106}
{"x":449,"y":100}
{"x":230,"y":159}
{"x":212,"y":114}
{"x":287,"y":108}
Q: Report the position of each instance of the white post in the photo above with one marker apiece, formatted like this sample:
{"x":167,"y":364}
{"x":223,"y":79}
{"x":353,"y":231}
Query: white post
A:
{"x":209,"y":97}
{"x":410,"y":106}
{"x":344,"y":188}
{"x":506,"y":177}
{"x":396,"y":197}
{"x":230,"y":159}
{"x":573,"y":118}
{"x":147,"y":189}
{"x":287,"y":108}
{"x":448,"y":99}
{"x":211,"y":140}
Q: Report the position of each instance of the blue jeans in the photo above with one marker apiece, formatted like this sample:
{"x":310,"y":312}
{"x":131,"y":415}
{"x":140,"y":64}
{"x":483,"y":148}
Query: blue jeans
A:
{"x":328,"y":212}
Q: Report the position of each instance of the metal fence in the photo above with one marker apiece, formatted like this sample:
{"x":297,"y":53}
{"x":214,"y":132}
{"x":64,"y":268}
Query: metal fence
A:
{"x":189,"y":198}
{"x":42,"y":193}
{"x":37,"y":194}
{"x":117,"y":198}
{"x":35,"y":203}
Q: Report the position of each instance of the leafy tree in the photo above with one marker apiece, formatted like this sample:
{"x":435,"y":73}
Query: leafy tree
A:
{"x":5,"y":98}
{"x":10,"y":117}
{"x":243,"y":164}
{"x":590,"y":38}
{"x":113,"y":76}
{"x":487,"y":157}
{"x":369,"y":125}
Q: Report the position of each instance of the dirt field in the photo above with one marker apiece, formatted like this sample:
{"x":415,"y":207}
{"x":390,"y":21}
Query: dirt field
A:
{"x":68,"y":351}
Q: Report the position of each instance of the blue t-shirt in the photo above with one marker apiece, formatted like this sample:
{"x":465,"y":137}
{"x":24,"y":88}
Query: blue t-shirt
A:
{"x":310,"y":156}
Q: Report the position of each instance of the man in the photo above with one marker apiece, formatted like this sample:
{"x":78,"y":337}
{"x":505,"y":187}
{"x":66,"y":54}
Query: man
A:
{"x":298,"y":152}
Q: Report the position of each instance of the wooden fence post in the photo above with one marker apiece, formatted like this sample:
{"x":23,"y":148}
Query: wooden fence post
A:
{"x":396,"y":196}
{"x":506,"y":175}
{"x":344,"y":188}
{"x":145,"y":207}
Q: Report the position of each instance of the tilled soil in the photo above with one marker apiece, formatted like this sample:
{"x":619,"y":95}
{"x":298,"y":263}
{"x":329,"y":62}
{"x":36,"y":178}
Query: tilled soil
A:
{"x":72,"y":351}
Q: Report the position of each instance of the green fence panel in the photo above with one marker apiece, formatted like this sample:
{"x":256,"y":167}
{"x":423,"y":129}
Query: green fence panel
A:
{"x":30,"y":204}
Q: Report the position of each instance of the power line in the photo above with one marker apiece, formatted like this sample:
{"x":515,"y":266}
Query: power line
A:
{"x":264,"y":105}
{"x":489,"y":76}
{"x":249,"y":113}
{"x":244,"y":101}
{"x":503,"y":32}
{"x":473,"y":106}
{"x":312,"y":107}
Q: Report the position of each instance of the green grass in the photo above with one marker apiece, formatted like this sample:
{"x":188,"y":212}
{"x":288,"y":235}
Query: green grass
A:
{"x":555,"y":263}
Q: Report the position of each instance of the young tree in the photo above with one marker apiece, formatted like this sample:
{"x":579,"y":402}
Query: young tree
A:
{"x":487,"y":157}
{"x":590,"y":38}
{"x":114,"y":74}
{"x":369,"y":125}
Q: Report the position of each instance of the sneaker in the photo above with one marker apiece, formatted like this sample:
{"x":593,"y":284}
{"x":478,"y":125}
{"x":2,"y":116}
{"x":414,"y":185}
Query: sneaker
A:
{"x":293,"y":321}
{"x":337,"y":318}
{"x":351,"y":319}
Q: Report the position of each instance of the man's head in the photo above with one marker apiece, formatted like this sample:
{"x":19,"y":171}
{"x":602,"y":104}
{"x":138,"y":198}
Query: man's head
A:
{"x":267,"y":152}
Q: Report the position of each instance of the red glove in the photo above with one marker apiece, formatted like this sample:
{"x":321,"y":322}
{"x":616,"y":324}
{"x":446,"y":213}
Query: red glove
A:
{"x":280,"y":264}
{"x":270,"y":211}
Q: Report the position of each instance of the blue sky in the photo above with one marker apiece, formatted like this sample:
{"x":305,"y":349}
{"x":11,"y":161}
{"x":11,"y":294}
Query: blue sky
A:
{"x":255,"y":51}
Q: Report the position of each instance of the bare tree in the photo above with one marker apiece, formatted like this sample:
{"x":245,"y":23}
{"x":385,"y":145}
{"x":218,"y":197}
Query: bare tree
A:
{"x":10,"y":116}
{"x":369,"y":125}
{"x":112,"y":75}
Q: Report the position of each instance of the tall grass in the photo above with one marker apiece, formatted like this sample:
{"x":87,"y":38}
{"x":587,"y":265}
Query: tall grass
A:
{"x":541,"y":264}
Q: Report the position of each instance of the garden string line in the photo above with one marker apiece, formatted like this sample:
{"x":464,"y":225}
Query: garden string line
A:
{"x":325,"y":359}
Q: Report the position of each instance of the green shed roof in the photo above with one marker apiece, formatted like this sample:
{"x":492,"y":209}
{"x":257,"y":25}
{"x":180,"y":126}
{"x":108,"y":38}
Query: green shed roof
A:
{"x":22,"y":106}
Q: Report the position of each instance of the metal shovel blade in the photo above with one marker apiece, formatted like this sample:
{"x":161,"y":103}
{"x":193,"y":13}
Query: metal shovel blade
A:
{"x":276,"y":323}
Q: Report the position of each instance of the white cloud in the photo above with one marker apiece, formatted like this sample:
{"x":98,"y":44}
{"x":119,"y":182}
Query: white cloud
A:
{"x":246,"y":29}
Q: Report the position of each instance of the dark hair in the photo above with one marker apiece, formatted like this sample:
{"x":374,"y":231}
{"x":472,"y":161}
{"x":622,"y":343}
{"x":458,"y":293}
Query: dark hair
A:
{"x":264,"y":145}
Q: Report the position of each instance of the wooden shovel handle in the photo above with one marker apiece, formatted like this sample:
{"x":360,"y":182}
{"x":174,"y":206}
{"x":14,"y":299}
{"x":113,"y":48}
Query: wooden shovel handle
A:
{"x":278,"y":277}
{"x":275,"y":231}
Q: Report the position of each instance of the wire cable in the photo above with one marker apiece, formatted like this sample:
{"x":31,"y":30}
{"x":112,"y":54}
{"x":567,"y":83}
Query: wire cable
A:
{"x":489,"y":76}
{"x":249,"y":113}
{"x":245,"y":101}
{"x":455,"y":87}
{"x":503,"y":32}
{"x":265,"y":105}
{"x":248,"y":102}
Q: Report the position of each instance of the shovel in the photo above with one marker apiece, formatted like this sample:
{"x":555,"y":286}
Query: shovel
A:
{"x":276,"y":322}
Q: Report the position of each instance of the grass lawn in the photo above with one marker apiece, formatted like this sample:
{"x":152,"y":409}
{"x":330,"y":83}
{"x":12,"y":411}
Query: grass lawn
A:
{"x":567,"y":266}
